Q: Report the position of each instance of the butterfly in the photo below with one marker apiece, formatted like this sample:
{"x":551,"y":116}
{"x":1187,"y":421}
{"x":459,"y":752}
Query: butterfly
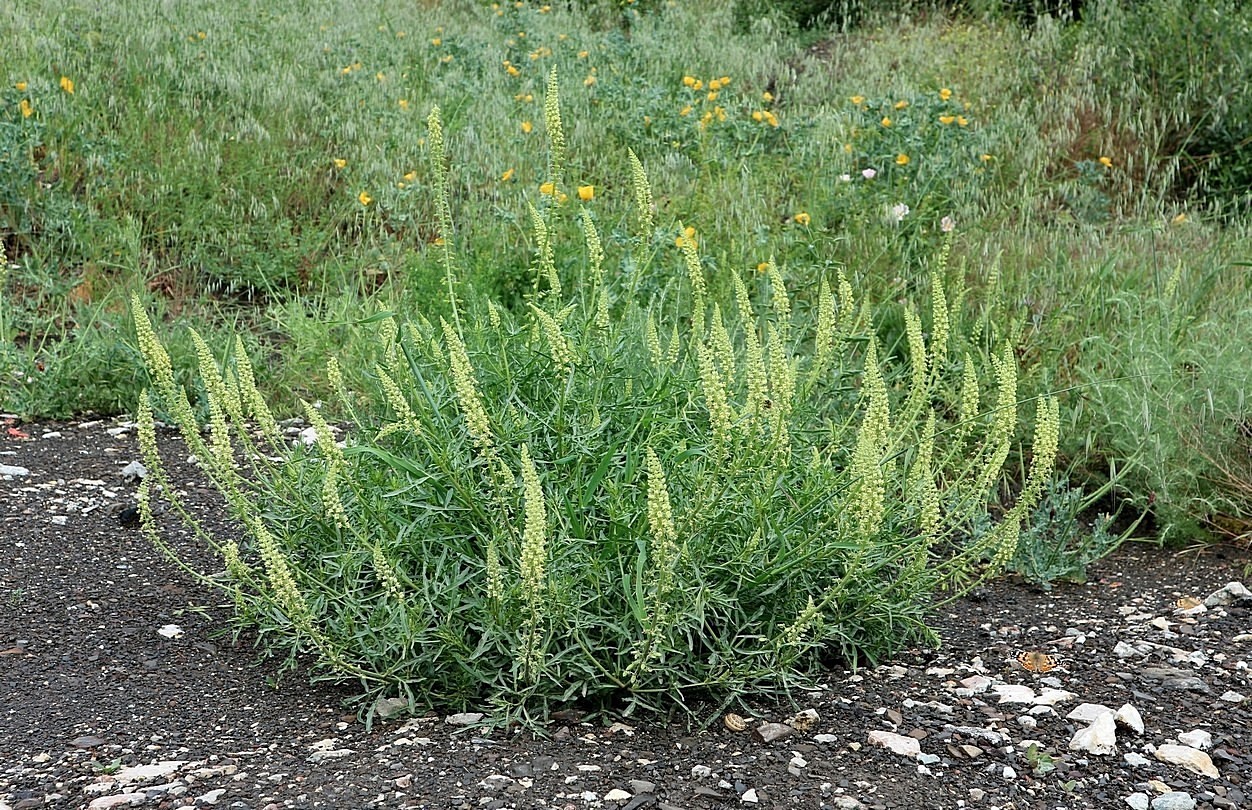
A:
{"x":1035,"y":661}
{"x":1187,"y":603}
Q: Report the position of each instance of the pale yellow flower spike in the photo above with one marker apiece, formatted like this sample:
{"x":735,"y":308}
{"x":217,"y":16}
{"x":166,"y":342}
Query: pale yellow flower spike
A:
{"x":556,"y":132}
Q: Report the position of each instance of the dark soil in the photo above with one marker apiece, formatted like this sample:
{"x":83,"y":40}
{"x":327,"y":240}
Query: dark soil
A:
{"x":89,"y":687}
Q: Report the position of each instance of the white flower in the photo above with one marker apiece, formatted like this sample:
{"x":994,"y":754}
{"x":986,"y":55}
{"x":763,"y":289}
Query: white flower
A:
{"x":947,"y":224}
{"x":845,"y":178}
{"x":869,"y":174}
{"x":899,"y":211}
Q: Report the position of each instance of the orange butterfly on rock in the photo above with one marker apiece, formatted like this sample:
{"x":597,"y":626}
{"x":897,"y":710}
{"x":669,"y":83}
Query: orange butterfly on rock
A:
{"x":1035,"y":661}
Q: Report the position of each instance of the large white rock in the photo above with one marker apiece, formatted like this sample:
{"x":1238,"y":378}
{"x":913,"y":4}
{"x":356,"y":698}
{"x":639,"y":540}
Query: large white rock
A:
{"x":896,"y":743}
{"x":1197,"y":738}
{"x":1086,"y":712}
{"x":1098,"y":738}
{"x":1051,"y":697}
{"x":148,"y":773}
{"x":1014,"y":693}
{"x":1189,"y":758}
{"x":1129,"y":717}
{"x":5,"y":469}
{"x":1229,"y":594}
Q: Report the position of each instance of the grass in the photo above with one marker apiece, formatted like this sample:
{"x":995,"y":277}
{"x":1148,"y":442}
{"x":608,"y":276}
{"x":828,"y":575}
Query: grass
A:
{"x":269,"y":175}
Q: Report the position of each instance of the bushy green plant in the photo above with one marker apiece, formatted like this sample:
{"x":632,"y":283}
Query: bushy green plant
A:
{"x":605,"y":499}
{"x":1056,"y":544}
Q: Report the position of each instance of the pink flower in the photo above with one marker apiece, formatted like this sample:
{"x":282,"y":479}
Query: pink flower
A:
{"x":869,"y":174}
{"x":947,"y":224}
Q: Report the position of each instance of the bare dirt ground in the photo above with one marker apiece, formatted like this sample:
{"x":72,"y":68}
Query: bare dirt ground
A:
{"x":100,"y":708}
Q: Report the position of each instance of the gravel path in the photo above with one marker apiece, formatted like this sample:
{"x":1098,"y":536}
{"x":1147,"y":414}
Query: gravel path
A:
{"x":118,"y":688}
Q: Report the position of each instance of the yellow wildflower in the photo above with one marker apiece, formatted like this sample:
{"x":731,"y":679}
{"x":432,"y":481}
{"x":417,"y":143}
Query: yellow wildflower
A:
{"x":946,"y":119}
{"x":379,"y":76}
{"x":886,"y":122}
{"x":858,"y":100}
{"x":685,"y":110}
{"x":945,"y":94}
{"x":446,"y":58}
{"x":715,"y":85}
{"x":763,"y":267}
{"x":689,"y":81}
{"x":507,"y":176}
{"x":67,"y":84}
{"x":771,"y":119}
{"x":758,"y":116}
{"x":1179,"y":219}
{"x":404,"y":103}
{"x":699,"y":85}
{"x":725,"y":80}
{"x":902,"y":159}
{"x":527,"y":127}
{"x":584,"y":54}
{"x":27,"y":110}
{"x":340,"y":163}
{"x":688,"y":234}
{"x":364,"y":198}
{"x":410,"y":176}
{"x":511,"y":70}
{"x":590,"y":80}
{"x":900,"y":105}
{"x":962,"y":121}
{"x":586,"y":193}
{"x":847,"y":148}
{"x":720,"y":112}
{"x":20,"y":87}
{"x":767,"y":97}
{"x":561,"y":196}
{"x":544,"y":9}
{"x":802,"y":218}
{"x":1106,"y":162}
{"x":548,"y":188}
{"x":712,"y":96}
{"x":436,"y":42}
{"x":985,"y":158}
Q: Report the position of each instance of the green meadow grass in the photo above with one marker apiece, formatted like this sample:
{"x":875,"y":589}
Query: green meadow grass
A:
{"x":267,"y":173}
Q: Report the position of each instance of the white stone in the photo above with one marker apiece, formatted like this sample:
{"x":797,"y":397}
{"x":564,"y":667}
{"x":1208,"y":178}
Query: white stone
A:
{"x":749,"y":796}
{"x":147,"y":773}
{"x":1137,"y":801}
{"x":1124,"y":650}
{"x":1197,"y":738}
{"x":616,"y":795}
{"x":1189,"y":758}
{"x":1129,"y":717}
{"x":211,"y":797}
{"x":1232,"y":697}
{"x":1014,"y":693}
{"x":701,"y":771}
{"x":928,"y":759}
{"x":1027,"y":722}
{"x":117,"y":800}
{"x":170,"y":631}
{"x":497,"y":781}
{"x":1228,"y":594}
{"x":18,"y":472}
{"x":1087,"y":712}
{"x":825,"y":738}
{"x":976,"y":684}
{"x":1098,"y":738}
{"x":1008,"y":773}
{"x":1174,"y":800}
{"x":1135,"y":760}
{"x":896,"y":743}
{"x":1051,"y":697}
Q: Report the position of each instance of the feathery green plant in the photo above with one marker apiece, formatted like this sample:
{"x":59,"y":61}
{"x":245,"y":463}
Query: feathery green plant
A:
{"x":545,"y":505}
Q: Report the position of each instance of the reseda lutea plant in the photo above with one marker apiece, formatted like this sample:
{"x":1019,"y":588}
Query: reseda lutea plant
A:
{"x":625,"y":503}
